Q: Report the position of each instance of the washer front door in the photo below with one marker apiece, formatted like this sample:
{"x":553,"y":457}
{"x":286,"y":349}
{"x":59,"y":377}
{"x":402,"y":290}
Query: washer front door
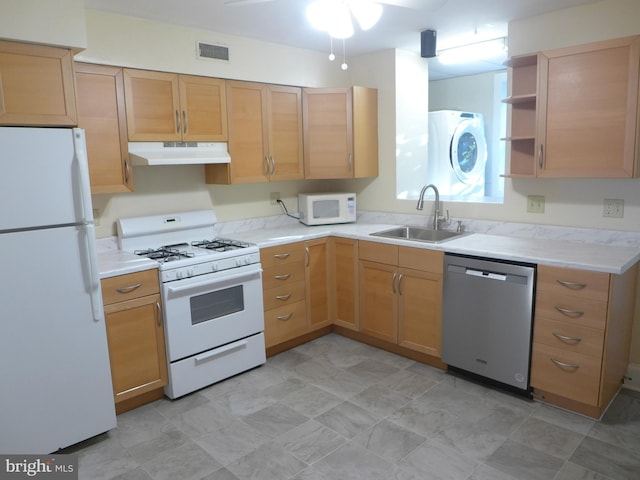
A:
{"x":468,"y":150}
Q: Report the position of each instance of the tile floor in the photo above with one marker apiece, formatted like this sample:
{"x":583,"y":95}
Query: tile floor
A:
{"x":335,"y":409}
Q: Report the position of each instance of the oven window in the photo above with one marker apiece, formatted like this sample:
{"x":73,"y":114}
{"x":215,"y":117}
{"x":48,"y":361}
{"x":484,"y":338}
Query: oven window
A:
{"x":220,"y":303}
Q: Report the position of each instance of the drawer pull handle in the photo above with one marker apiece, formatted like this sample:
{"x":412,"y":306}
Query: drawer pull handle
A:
{"x":282,"y":277}
{"x":565,"y":339}
{"x":572,"y":285}
{"x":128,"y":289}
{"x":284,"y":317}
{"x":282,"y":256}
{"x":569,"y":313}
{"x":283,"y":297}
{"x":564,"y":365}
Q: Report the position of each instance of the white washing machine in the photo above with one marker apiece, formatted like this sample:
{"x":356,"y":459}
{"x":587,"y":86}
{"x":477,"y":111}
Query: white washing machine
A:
{"x":457,"y":152}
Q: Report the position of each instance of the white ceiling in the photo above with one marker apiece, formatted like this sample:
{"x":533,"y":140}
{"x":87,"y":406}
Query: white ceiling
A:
{"x":284,"y":22}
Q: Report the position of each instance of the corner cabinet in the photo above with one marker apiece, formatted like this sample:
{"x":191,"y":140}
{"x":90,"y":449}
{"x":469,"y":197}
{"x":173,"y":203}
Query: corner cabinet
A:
{"x":265,"y":135}
{"x":344,"y":282}
{"x":401,"y":295}
{"x":135,"y":335}
{"x":163,"y":107}
{"x":37,"y":86}
{"x":340,"y":132}
{"x":574,"y":111}
{"x":581,"y":337}
{"x":101,"y":113}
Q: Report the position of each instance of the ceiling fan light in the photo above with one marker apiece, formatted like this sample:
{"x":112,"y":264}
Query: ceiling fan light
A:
{"x":341,"y":26}
{"x":366,"y":12}
{"x":321,"y":12}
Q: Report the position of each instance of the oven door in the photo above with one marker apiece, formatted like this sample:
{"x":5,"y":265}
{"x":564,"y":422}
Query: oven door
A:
{"x":204,"y":312}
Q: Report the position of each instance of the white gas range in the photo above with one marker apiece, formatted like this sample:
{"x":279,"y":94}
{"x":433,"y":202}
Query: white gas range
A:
{"x":211,"y":294}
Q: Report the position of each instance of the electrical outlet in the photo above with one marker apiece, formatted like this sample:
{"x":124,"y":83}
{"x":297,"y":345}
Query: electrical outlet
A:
{"x":96,"y":217}
{"x":535,"y":203}
{"x":274,"y":196}
{"x":613,"y":207}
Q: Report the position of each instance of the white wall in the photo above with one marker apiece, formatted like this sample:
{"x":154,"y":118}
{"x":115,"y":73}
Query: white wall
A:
{"x":59,"y":22}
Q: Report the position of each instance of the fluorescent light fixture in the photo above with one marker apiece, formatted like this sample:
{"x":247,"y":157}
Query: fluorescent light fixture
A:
{"x":473,"y":52}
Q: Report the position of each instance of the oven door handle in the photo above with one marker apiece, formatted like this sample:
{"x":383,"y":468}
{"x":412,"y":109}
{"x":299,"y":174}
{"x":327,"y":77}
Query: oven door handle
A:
{"x":211,"y":283}
{"x":219,"y":351}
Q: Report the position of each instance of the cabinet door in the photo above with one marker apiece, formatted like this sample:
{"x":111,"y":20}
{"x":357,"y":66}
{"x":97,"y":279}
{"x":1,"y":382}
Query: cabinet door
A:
{"x":378,"y":300}
{"x":203,"y":109}
{"x":318,"y":294}
{"x":136,"y":346}
{"x":365,"y":132}
{"x":153,"y":106}
{"x":588,"y":109}
{"x":345,"y":281}
{"x":328,"y":133}
{"x":284,"y":107}
{"x":247,"y":104}
{"x":101,"y":113}
{"x":37,"y":86}
{"x":420,"y":311}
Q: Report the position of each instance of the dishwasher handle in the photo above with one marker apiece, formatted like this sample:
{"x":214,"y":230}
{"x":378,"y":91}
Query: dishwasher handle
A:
{"x":484,"y":274}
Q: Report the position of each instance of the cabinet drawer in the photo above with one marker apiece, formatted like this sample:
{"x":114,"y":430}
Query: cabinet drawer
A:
{"x":421,"y":259}
{"x":278,"y":275}
{"x":378,"y":252}
{"x":569,"y":337}
{"x":578,"y":379}
{"x":132,"y":285}
{"x":284,"y":295}
{"x":284,"y":323}
{"x":575,"y":283}
{"x":579,"y":311}
{"x":282,"y":254}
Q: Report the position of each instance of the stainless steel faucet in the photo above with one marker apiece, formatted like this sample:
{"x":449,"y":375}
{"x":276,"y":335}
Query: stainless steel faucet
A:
{"x":436,"y":206}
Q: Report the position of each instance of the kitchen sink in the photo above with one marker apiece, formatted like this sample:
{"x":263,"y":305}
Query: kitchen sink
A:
{"x":419,"y":234}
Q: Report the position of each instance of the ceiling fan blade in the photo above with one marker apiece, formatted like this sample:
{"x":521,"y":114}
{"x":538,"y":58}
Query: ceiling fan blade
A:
{"x":415,"y":4}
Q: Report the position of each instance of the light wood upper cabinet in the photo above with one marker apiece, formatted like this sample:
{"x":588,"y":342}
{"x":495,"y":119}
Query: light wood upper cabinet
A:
{"x":37,"y":86}
{"x":169,"y":107}
{"x":574,"y":111}
{"x":340,"y":132}
{"x":101,"y":113}
{"x":265,"y":135}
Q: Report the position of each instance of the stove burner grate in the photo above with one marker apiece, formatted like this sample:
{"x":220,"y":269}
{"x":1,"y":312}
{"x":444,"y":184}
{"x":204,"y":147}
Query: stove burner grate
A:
{"x":220,"y":244}
{"x":164,"y":254}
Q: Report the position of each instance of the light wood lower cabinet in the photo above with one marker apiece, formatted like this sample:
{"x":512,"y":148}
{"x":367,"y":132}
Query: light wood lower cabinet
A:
{"x":135,"y":335}
{"x":344,"y":282}
{"x":581,"y":339}
{"x":37,"y":86}
{"x":295,"y":283}
{"x":401,"y":295}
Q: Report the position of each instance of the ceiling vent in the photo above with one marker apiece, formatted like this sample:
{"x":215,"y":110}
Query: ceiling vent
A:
{"x":213,"y":52}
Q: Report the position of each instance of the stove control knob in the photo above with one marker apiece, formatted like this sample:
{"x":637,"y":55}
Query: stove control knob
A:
{"x":238,"y":262}
{"x":179,"y":274}
{"x":190,"y":272}
{"x":214,"y":267}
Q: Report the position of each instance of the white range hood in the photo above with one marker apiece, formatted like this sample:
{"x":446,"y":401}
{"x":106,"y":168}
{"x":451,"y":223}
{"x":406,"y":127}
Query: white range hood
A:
{"x":178,"y":153}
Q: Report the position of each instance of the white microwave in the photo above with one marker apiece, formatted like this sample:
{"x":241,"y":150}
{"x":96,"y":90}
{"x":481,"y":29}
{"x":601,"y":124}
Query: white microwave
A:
{"x":326,"y":208}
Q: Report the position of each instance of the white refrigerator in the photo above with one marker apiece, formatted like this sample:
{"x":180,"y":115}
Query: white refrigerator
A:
{"x":55,"y":379}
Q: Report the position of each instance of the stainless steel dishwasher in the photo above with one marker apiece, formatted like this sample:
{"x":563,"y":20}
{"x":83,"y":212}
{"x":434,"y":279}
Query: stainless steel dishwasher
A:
{"x":487,"y":319}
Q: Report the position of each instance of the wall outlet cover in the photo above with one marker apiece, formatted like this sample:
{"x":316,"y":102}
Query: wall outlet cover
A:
{"x":613,"y":207}
{"x":535,"y":203}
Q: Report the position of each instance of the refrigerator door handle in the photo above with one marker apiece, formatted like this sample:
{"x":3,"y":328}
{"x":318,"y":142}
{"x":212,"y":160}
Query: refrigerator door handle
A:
{"x":79,"y":143}
{"x":94,"y":276}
